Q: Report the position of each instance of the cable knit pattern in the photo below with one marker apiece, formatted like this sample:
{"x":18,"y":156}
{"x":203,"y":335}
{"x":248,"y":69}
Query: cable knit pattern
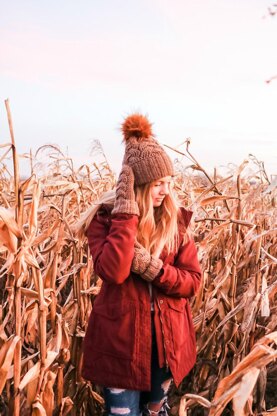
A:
{"x":147,"y":266}
{"x":153,"y":269}
{"x":143,"y":153}
{"x":125,"y":201}
{"x":148,"y":160}
{"x":141,"y":259}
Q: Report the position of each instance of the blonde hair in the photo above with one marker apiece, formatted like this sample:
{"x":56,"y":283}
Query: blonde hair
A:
{"x":158,"y":227}
{"x":80,"y":227}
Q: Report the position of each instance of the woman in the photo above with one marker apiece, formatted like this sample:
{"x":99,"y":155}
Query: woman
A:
{"x":140,"y":334}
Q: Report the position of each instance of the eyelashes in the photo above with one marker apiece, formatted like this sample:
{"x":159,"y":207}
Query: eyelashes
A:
{"x":161,"y":183}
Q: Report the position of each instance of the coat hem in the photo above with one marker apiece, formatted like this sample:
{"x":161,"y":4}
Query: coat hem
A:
{"x":117,"y":385}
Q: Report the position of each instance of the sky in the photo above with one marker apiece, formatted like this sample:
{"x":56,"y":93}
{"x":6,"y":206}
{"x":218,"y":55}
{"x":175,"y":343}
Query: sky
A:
{"x":73,"y":70}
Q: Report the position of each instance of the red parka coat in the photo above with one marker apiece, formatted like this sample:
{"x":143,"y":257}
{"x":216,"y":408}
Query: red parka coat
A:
{"x":117,"y":344}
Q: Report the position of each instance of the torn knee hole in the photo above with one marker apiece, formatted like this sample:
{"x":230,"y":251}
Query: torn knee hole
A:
{"x":115,"y":391}
{"x":154,"y":408}
{"x":120,"y":410}
{"x":166,"y":385}
{"x":153,"y":412}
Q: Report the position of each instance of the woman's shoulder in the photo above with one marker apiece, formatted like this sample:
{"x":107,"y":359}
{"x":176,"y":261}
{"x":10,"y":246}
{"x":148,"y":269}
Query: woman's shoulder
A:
{"x":101,"y":217}
{"x":105,"y":210}
{"x":185,"y":216}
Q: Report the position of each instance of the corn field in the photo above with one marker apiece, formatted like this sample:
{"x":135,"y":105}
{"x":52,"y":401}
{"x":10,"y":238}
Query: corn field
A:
{"x":48,"y":286}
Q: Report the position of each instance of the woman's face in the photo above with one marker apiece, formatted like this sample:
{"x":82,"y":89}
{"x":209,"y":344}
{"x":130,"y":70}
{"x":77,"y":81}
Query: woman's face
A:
{"x":159,"y":189}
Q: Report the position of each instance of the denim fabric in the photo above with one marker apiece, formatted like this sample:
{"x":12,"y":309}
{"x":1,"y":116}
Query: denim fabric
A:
{"x":122,"y":402}
{"x":132,"y":402}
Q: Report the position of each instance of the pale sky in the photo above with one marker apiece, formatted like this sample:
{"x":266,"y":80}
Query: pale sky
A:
{"x":72,"y":71}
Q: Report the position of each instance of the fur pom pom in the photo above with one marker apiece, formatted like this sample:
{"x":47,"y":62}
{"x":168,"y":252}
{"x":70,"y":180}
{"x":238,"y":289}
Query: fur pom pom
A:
{"x":136,"y":125}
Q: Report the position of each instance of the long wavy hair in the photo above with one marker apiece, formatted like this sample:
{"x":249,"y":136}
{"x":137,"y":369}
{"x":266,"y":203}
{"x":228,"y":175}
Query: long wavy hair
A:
{"x":158,"y":227}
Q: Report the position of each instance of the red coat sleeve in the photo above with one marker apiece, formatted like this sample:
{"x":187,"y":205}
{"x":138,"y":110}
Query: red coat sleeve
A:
{"x":181,"y":279}
{"x":111,"y":243}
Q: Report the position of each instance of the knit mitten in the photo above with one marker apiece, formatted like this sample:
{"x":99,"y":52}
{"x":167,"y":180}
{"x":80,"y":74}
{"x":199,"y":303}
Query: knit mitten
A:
{"x":125,"y":200}
{"x":144,"y":264}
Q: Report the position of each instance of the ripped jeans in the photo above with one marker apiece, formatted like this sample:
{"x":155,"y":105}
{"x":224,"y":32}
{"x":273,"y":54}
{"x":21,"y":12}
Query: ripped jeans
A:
{"x":134,"y":402}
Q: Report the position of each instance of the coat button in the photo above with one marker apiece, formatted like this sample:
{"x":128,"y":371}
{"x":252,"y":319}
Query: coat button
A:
{"x":167,"y":341}
{"x":161,"y":302}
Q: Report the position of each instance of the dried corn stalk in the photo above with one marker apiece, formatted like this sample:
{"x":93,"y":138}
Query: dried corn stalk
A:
{"x":48,"y":287}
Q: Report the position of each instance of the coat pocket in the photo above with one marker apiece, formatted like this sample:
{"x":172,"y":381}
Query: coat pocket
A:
{"x":113,"y":330}
{"x":180,"y":329}
{"x":177,"y":304}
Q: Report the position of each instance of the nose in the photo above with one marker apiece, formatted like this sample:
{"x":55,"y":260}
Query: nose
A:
{"x":165,"y":189}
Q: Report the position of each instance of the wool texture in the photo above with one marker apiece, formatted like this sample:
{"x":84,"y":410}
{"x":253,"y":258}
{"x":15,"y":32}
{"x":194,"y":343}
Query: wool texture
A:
{"x":125,"y":200}
{"x":143,"y":153}
{"x":147,"y":266}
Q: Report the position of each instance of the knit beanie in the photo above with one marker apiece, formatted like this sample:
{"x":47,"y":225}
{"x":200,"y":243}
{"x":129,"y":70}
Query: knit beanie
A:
{"x":143,"y":153}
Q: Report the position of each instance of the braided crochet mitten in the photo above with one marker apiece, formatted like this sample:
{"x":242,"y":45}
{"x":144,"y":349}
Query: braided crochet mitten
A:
{"x":144,"y":264}
{"x":125,"y":201}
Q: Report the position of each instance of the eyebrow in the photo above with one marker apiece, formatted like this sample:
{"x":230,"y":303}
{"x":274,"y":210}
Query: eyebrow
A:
{"x":164,"y":181}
